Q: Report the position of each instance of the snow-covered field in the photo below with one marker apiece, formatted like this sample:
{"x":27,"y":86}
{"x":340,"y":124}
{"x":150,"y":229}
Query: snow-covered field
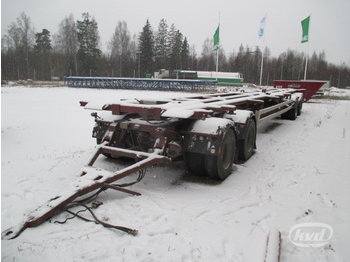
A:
{"x":299,"y":173}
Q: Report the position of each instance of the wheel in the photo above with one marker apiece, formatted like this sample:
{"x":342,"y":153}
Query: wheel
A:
{"x":300,"y":107}
{"x":220,"y":166}
{"x":292,"y":113}
{"x":247,"y":145}
{"x":195,"y":163}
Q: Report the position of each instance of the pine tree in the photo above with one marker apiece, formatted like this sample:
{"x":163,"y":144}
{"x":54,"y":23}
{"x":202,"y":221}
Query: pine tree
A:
{"x":161,"y":45}
{"x":89,"y":52}
{"x":42,"y":49}
{"x":146,"y":47}
{"x":171,"y":37}
{"x":43,"y":41}
{"x":175,"y":56}
{"x":185,"y":54}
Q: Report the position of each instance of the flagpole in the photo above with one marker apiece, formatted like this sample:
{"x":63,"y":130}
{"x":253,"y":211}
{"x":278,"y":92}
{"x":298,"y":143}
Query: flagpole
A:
{"x":217,"y":63}
{"x":261,"y":67}
{"x":262,"y":62}
{"x":217,"y":54}
{"x":307,"y":50}
{"x":308,"y":47}
{"x":262,"y":27}
{"x":307,"y":56}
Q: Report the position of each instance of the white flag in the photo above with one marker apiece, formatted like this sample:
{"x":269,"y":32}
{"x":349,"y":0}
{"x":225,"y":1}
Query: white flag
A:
{"x":262,"y":27}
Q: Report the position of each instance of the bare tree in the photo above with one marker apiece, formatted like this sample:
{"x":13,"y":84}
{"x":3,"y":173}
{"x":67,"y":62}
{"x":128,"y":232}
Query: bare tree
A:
{"x":128,"y":54}
{"x":207,"y":59}
{"x":27,"y":37}
{"x":20,"y":39}
{"x":193,"y":60}
{"x":122,"y":49}
{"x":66,"y":43}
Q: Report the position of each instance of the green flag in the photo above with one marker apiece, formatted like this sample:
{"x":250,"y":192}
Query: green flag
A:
{"x":216,"y":38}
{"x":305,"y":26}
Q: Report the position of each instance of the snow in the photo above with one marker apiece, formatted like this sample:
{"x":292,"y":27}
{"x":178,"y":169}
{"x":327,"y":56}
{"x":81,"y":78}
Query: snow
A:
{"x":297,"y":96}
{"x":95,"y":106}
{"x":299,"y":173}
{"x":107,"y":116}
{"x":240,"y":116}
{"x":273,"y":246}
{"x":211,"y":126}
{"x":182,"y":113}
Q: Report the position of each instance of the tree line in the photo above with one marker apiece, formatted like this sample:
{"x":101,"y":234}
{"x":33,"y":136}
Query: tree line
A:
{"x":75,"y":50}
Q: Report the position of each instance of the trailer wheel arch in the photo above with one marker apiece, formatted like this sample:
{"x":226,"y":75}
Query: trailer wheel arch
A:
{"x":215,"y":160}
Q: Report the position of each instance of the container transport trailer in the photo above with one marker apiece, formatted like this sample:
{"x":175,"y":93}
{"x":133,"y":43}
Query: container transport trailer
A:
{"x":210,"y":132}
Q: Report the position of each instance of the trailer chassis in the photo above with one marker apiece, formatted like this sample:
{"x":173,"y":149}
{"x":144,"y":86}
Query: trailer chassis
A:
{"x":209,"y":131}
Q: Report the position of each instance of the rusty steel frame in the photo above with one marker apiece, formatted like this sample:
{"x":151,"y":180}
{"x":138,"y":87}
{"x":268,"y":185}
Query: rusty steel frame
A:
{"x":54,"y":206}
{"x":212,"y":105}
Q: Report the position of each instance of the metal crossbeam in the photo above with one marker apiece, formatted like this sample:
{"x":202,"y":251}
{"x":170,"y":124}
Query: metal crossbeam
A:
{"x":90,"y":179}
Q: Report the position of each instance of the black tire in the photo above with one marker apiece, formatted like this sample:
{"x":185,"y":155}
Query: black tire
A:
{"x":220,"y":166}
{"x":195,"y":163}
{"x":247,"y":145}
{"x":300,"y":107}
{"x":292,"y":113}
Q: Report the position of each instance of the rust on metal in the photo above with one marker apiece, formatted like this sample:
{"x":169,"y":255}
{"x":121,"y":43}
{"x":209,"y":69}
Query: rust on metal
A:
{"x":147,"y":161}
{"x":111,"y":186}
{"x":165,"y":134}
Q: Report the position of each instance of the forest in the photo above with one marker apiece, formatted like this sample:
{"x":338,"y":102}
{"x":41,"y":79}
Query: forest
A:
{"x":75,"y":50}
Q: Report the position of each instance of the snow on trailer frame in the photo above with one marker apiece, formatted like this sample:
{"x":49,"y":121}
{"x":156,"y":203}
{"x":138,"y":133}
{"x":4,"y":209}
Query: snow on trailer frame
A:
{"x":210,"y":132}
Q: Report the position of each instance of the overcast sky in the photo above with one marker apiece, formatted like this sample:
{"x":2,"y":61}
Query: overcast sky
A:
{"x":197,"y":20}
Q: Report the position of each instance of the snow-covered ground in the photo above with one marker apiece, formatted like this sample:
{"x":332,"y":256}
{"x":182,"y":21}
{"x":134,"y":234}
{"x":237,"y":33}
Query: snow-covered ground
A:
{"x":299,"y":173}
